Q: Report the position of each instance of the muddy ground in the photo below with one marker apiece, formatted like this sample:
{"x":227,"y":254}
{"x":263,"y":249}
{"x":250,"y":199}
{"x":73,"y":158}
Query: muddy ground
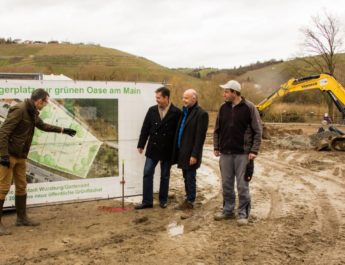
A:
{"x":298,"y":217}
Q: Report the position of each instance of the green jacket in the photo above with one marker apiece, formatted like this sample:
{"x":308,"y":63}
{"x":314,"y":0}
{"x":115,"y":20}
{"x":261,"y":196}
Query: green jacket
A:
{"x":18,"y":129}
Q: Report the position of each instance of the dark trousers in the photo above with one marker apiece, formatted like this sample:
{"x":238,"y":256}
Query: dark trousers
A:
{"x":149,"y":170}
{"x":189,"y":176}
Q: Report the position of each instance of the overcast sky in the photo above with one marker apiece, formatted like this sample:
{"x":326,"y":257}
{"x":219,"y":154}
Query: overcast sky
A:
{"x":173,"y":33}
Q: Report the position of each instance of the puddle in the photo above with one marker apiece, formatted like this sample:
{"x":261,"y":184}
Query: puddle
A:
{"x":175,"y":229}
{"x":209,"y":178}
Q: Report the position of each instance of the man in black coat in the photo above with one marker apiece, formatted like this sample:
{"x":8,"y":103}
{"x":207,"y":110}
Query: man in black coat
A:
{"x":189,"y":141}
{"x":159,"y":129}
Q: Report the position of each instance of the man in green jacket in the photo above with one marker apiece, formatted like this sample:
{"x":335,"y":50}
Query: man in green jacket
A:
{"x":16,"y":135}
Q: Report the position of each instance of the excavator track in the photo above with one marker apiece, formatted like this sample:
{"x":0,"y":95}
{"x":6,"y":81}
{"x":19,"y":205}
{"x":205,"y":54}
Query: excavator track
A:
{"x":338,"y":143}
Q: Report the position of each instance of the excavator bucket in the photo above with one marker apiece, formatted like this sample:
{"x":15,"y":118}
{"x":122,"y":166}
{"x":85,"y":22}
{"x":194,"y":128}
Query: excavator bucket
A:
{"x":323,"y":145}
{"x":338,"y":143}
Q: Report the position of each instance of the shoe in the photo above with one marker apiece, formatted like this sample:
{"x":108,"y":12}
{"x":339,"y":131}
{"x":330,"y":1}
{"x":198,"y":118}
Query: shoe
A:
{"x":242,"y":221}
{"x":186,"y":214}
{"x":223,"y":216}
{"x":143,"y":206}
{"x":185,"y":205}
{"x":163,"y":205}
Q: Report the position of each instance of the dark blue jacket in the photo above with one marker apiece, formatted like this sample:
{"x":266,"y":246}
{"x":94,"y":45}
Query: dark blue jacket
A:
{"x":193,"y":138}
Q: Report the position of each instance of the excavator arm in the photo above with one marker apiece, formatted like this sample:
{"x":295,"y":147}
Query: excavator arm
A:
{"x":323,"y":82}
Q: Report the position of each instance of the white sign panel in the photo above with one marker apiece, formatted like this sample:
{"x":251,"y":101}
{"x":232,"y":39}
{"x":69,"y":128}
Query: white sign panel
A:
{"x":107,"y":117}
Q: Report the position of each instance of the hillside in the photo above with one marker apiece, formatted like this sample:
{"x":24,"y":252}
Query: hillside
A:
{"x":92,"y":62}
{"x":73,"y":60}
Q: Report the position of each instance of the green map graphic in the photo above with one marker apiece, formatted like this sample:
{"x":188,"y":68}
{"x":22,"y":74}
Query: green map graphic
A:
{"x":73,"y":155}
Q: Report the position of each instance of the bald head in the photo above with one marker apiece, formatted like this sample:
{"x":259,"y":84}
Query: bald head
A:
{"x":190,"y":97}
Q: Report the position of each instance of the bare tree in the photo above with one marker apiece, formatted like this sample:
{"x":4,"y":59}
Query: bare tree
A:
{"x":323,"y":41}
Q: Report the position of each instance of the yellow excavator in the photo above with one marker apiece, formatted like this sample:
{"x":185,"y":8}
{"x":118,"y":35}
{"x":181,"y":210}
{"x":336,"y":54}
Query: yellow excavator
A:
{"x":323,"y":82}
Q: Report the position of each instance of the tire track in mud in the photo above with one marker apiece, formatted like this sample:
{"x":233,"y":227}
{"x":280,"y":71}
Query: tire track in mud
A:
{"x":200,"y":242}
{"x":83,"y":251}
{"x":267,"y":231}
{"x":193,"y":244}
{"x":327,"y":210}
{"x":275,"y":204}
{"x":233,"y":247}
{"x":197,"y":234}
{"x":296,"y":167}
{"x":294,"y":221}
{"x":285,"y":237}
{"x":198,"y":228}
{"x":278,"y":243}
{"x":332,"y":204}
{"x":321,"y":239}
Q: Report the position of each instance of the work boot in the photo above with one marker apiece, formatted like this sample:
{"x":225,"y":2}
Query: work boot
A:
{"x":242,"y":221}
{"x":22,"y":218}
{"x":223,"y":216}
{"x":185,"y":205}
{"x":3,"y":230}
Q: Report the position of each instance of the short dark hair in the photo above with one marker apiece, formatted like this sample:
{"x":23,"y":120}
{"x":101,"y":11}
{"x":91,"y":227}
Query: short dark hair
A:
{"x":236,"y":92}
{"x":164,"y":91}
{"x":38,"y":94}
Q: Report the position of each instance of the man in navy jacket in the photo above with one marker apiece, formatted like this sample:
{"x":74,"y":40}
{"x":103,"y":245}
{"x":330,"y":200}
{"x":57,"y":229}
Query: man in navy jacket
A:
{"x":190,"y":138}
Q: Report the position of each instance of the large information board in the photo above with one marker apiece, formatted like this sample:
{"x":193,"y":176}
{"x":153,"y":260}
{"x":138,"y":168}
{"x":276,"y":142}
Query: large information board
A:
{"x":107,"y":117}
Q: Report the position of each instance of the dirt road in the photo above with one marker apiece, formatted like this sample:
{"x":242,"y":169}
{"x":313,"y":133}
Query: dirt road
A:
{"x":298,"y":217}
